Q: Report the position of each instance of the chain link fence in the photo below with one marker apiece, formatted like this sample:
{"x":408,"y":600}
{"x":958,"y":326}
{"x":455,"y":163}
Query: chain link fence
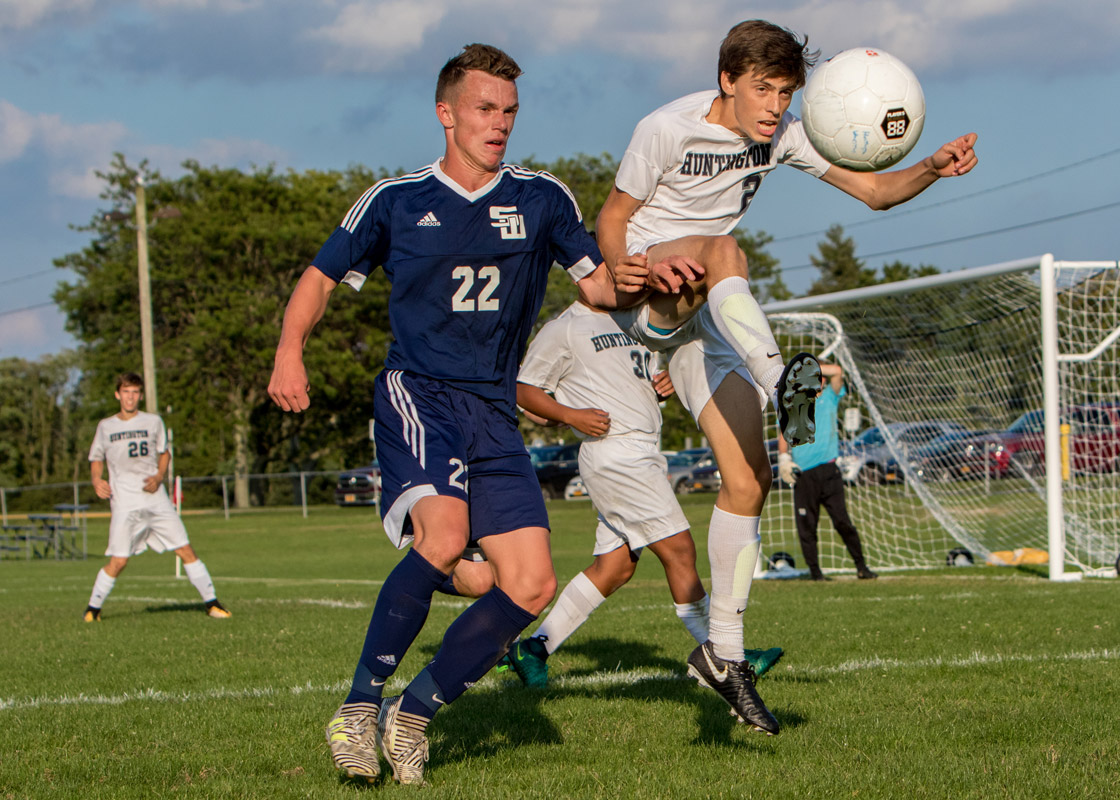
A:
{"x":295,"y":490}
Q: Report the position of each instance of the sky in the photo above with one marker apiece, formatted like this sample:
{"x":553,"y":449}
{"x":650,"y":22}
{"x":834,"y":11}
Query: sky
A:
{"x":323,"y":84}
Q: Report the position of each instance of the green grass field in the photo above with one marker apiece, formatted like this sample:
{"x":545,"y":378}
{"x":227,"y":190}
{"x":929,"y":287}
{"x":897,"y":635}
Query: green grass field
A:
{"x":967,"y":683}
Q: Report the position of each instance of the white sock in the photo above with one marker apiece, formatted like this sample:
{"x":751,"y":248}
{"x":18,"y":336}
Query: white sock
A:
{"x":200,"y":577}
{"x":740,"y":319}
{"x":694,"y":616}
{"x":102,"y":585}
{"x":733,"y":544}
{"x":575,"y":604}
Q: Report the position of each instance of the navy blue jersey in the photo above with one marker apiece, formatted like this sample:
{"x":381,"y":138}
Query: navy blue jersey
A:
{"x":468,"y":270}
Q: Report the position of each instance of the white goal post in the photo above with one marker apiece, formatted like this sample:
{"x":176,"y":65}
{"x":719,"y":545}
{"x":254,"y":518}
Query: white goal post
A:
{"x":1019,"y":363}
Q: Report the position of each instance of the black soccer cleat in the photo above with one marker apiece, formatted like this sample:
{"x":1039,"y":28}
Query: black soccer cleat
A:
{"x":734,"y":681}
{"x":796,"y":398}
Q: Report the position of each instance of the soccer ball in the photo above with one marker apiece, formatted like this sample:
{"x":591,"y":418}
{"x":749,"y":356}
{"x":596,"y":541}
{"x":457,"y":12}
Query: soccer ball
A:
{"x":863,"y":109}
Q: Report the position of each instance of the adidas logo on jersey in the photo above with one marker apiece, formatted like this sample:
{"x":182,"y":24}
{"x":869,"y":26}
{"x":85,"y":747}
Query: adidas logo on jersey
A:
{"x":429,"y":221}
{"x":390,"y":659}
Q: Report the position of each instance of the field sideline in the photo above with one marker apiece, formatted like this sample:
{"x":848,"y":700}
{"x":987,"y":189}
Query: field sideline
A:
{"x":969,"y":683}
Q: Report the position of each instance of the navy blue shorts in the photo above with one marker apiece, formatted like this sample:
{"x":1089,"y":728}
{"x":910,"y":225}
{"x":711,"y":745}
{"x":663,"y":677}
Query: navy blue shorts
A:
{"x":434,"y":439}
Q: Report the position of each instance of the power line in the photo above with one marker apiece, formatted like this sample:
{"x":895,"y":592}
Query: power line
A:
{"x":970,"y":236}
{"x":895,"y":214}
{"x":26,"y":308}
{"x":28,"y":276}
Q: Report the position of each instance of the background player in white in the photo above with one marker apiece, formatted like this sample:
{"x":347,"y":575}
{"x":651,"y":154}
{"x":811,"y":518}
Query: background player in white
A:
{"x":582,"y":371}
{"x":467,"y":244}
{"x":686,"y":180}
{"x":133,"y":444}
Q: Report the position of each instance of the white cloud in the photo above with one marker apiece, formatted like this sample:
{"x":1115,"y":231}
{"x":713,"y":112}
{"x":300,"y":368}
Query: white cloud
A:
{"x":73,"y":152}
{"x":33,"y":333}
{"x":22,"y":14}
{"x":370,"y":35}
{"x":232,"y":152}
{"x":16,"y":130}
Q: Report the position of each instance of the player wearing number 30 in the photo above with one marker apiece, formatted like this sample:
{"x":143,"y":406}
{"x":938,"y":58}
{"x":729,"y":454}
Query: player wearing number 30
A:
{"x":133,"y":444}
{"x":466,"y":244}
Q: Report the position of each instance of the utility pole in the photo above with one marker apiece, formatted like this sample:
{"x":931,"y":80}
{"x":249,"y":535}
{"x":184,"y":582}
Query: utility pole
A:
{"x":151,"y":400}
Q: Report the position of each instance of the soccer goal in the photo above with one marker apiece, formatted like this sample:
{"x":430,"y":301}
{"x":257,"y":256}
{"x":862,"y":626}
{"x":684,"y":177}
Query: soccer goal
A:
{"x":994,"y":395}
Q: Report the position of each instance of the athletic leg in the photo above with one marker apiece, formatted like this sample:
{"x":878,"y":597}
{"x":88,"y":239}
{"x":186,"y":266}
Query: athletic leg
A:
{"x":726,"y":289}
{"x":732,"y":421}
{"x":677,"y":554}
{"x":835,"y":503}
{"x":806,"y":513}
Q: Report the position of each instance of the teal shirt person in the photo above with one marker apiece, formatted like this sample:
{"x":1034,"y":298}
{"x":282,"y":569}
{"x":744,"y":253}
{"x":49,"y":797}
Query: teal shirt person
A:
{"x":825,"y":446}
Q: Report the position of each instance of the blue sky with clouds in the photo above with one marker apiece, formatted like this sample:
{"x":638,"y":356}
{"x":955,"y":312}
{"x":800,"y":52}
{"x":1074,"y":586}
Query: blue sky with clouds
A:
{"x":320,"y":84}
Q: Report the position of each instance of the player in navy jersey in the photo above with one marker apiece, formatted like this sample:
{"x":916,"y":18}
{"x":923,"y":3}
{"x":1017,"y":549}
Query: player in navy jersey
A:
{"x":466,"y":244}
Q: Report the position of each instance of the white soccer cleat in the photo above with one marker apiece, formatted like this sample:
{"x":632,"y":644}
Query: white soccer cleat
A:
{"x":352,"y":736}
{"x":402,"y":742}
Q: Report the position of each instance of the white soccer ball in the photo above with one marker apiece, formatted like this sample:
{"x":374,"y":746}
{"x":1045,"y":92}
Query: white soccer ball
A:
{"x":863,"y":109}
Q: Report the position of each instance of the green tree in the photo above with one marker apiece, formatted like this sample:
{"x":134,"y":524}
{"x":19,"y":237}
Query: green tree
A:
{"x":221,"y":276}
{"x":43,"y":434}
{"x":898,"y":271}
{"x":838,"y":265}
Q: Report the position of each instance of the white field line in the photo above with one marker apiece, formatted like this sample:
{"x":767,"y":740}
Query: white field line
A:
{"x":597,"y":679}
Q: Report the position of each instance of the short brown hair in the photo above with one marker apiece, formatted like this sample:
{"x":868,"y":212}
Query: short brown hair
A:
{"x":129,"y":379}
{"x":763,"y":47}
{"x":480,"y":57}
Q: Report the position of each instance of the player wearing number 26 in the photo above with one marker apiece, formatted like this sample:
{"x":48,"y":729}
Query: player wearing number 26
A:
{"x":133,"y":445}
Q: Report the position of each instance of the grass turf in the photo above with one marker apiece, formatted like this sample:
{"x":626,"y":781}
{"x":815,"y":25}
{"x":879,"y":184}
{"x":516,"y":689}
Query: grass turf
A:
{"x":970,"y":683}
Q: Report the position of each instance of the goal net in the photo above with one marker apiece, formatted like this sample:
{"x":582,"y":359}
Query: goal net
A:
{"x":982,"y":414}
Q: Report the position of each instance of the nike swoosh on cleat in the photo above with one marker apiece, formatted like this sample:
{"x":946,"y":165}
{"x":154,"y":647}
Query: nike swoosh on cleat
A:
{"x":719,"y":674}
{"x":772,"y":355}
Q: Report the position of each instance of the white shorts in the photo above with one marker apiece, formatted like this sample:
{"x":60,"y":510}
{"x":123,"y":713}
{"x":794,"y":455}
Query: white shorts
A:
{"x":156,"y":525}
{"x":699,"y":358}
{"x":628,"y":481}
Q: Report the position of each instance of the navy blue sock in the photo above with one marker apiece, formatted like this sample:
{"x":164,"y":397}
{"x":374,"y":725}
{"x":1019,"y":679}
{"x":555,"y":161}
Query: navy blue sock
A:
{"x":399,"y":614}
{"x":470,"y":648}
{"x":448,"y":586}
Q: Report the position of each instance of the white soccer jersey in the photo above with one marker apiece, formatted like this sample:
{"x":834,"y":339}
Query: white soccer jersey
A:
{"x":131,"y":449}
{"x":585,"y":361}
{"x":696,"y":178}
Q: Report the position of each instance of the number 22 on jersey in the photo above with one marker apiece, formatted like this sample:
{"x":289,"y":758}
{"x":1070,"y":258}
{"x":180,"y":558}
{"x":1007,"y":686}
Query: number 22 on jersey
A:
{"x":465,"y":298}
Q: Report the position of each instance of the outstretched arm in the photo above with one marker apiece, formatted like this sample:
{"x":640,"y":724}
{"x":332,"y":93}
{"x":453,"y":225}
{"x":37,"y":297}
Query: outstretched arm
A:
{"x":288,"y":387}
{"x":882,"y":190}
{"x":834,"y":373}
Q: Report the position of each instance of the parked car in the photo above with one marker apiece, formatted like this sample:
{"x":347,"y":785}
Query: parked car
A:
{"x":576,"y":490}
{"x":705,"y":477}
{"x":681,"y":464}
{"x":555,"y":465}
{"x":1093,"y":443}
{"x":868,"y":459}
{"x":956,"y":456}
{"x":359,"y":487}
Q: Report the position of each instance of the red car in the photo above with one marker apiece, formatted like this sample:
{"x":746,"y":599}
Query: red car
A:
{"x":1094,"y":442}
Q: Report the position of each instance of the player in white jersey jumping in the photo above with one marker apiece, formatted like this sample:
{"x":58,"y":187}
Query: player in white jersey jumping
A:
{"x":686,"y":180}
{"x":133,"y":444}
{"x":582,"y":371}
